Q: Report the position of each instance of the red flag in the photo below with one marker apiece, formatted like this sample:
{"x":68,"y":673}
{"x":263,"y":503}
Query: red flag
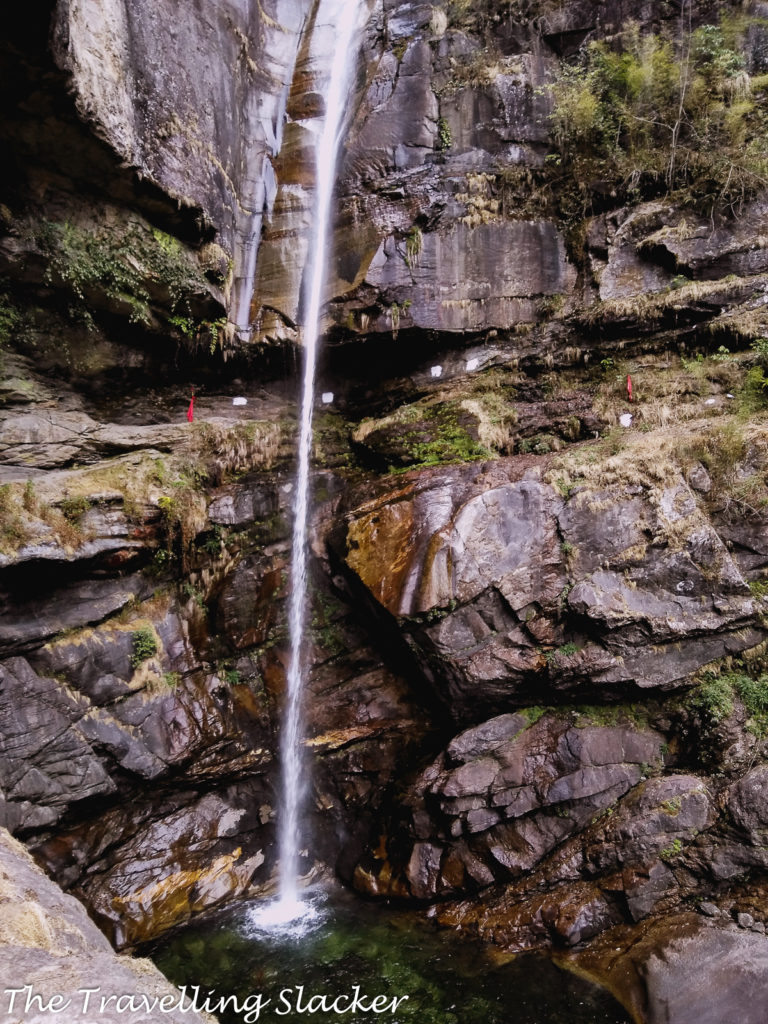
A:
{"x":629,"y":387}
{"x":191,"y":409}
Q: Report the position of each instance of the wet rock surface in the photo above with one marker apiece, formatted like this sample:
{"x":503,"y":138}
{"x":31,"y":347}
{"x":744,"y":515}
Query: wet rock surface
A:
{"x":507,"y":793}
{"x":537,"y":689}
{"x":522,"y":581}
{"x":684,"y":969}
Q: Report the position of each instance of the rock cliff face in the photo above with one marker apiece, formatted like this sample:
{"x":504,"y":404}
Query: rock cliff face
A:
{"x":51,"y":945}
{"x":538,"y":690}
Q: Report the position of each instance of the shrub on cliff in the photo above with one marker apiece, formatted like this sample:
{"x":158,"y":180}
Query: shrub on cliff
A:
{"x":650,"y":113}
{"x":144,"y":645}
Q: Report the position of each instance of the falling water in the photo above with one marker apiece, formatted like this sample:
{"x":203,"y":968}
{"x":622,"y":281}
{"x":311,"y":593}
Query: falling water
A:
{"x":342,"y":18}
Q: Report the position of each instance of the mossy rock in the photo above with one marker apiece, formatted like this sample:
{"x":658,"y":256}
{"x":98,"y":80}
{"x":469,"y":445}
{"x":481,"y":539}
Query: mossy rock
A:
{"x":422,"y":435}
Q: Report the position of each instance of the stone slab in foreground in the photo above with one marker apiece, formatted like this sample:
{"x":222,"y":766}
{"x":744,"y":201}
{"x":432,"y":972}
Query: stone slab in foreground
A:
{"x":50,"y":948}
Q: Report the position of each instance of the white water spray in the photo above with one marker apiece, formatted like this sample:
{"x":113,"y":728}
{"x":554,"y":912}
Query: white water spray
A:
{"x":342,"y":21}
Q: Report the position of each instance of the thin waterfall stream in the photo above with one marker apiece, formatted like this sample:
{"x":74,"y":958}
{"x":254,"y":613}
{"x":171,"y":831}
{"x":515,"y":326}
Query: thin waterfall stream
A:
{"x":341,"y":19}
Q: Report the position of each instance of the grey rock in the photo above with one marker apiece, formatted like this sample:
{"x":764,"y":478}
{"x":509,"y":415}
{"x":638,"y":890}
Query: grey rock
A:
{"x":647,"y":578}
{"x":60,"y":746}
{"x":49,"y":438}
{"x":97,"y":664}
{"x":748,"y":802}
{"x":592,"y":918}
{"x":246,"y":608}
{"x":707,"y":978}
{"x":504,"y":796}
{"x":46,"y":761}
{"x":122,"y":52}
{"x":645,"y":890}
{"x":80,"y":604}
{"x":401,"y":123}
{"x":231,"y":509}
{"x":479,"y":739}
{"x":736,"y":249}
{"x":699,"y":479}
{"x":477,"y":277}
{"x":606,"y":529}
{"x":50,"y":943}
{"x":213,"y":840}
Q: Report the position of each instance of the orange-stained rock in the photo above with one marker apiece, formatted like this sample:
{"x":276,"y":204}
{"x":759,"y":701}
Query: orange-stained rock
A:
{"x":380,"y":550}
{"x":682,"y":969}
{"x":511,"y":592}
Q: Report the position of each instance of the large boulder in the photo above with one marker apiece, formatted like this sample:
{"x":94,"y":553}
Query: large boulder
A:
{"x":52,"y":952}
{"x":511,"y":587}
{"x":502,"y":796}
{"x":683,"y":969}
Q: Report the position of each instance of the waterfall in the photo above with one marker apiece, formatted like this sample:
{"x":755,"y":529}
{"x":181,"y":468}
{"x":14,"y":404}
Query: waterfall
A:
{"x":341,"y":20}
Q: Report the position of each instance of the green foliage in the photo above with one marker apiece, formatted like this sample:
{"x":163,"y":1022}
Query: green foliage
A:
{"x":231,"y":676}
{"x":185,"y":324}
{"x":656,"y":113}
{"x":144,"y":645}
{"x":568,"y":649}
{"x":10,"y":318}
{"x":120,"y":264}
{"x":29,"y":498}
{"x":180,"y":510}
{"x":331,"y":434}
{"x":534,"y":713}
{"x":199,"y":330}
{"x":74,"y":509}
{"x":394,"y":319}
{"x":550,"y":305}
{"x":213,"y":542}
{"x":444,"y":136}
{"x":754,"y":392}
{"x":85,"y":261}
{"x":192,"y":593}
{"x":723,"y":355}
{"x":539,"y":444}
{"x":413,"y":246}
{"x":693,"y":365}
{"x":13,"y":532}
{"x":437,"y":436}
{"x":161,"y":561}
{"x":720,"y":451}
{"x":672,"y":851}
{"x":171,"y":679}
{"x":565,"y":651}
{"x":611,"y":714}
{"x":713,"y":699}
{"x":760,"y":348}
{"x":564,"y":488}
{"x":754,"y":696}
